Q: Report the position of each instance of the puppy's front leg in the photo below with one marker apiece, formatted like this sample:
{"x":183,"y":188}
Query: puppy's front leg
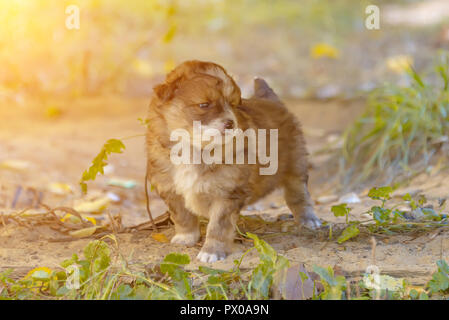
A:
{"x":220,"y":230}
{"x":187,"y":228}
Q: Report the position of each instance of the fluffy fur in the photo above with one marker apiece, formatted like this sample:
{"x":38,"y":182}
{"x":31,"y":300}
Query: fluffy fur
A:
{"x":219,"y":191}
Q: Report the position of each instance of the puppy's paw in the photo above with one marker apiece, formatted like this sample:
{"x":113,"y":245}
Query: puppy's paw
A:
{"x":204,"y":256}
{"x":186,"y":239}
{"x":310,"y":220}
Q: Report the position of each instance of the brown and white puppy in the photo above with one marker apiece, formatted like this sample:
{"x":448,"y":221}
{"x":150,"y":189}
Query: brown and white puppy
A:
{"x":203,"y":91}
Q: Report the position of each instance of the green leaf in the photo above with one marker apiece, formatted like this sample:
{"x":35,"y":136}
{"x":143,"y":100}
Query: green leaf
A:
{"x":340,"y":210}
{"x":172,"y":265}
{"x":98,"y":254}
{"x":423,"y":296}
{"x":270,"y":263}
{"x":380,"y":193}
{"x":177,"y":258}
{"x":325,"y":274}
{"x":69,"y":262}
{"x":99,"y":162}
{"x":266,"y":252}
{"x":440,"y":279}
{"x":333,"y":286}
{"x":439,"y":282}
{"x":407,"y":197}
{"x":350,"y":232}
{"x":442,"y":266}
{"x":381,"y":215}
{"x":413,"y":294}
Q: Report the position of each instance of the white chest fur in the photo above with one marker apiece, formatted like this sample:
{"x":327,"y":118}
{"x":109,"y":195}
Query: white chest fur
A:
{"x":199,"y":185}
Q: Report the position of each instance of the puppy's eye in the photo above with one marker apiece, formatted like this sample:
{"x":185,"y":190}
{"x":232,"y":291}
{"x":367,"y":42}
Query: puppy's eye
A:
{"x":204,"y":105}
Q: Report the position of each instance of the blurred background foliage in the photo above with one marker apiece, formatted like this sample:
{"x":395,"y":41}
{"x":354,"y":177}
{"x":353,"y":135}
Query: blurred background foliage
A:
{"x":315,"y":49}
{"x":304,"y":48}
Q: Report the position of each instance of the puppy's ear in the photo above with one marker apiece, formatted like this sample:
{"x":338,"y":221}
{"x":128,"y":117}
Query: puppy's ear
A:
{"x":230,"y":88}
{"x":165,"y":91}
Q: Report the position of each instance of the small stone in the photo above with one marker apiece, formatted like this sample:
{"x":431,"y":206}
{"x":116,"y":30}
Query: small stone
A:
{"x":327,"y":199}
{"x":349,"y":198}
{"x":114,"y":197}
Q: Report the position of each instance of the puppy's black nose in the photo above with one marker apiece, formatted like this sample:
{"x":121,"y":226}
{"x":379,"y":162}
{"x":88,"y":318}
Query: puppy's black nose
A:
{"x":229,"y":124}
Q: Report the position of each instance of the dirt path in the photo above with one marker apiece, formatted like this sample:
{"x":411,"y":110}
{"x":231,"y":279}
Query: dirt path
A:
{"x":59,"y":149}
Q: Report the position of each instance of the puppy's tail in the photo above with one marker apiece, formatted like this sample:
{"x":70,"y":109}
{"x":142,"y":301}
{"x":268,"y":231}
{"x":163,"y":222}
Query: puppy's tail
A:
{"x":263,"y":90}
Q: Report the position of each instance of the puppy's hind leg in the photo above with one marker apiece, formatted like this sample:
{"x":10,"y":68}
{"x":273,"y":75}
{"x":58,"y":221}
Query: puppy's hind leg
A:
{"x":187,"y":228}
{"x":299,"y":202}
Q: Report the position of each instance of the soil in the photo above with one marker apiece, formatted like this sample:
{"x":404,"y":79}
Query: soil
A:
{"x":59,"y":148}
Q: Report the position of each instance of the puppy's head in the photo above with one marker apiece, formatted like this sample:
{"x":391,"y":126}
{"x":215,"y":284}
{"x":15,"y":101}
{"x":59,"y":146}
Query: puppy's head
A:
{"x":198,"y":91}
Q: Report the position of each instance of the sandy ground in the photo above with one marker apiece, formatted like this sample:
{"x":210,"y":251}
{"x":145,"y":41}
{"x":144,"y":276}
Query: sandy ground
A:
{"x":59,"y":149}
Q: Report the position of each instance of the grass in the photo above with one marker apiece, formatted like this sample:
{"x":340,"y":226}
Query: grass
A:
{"x":104,"y":274}
{"x":401,"y":130}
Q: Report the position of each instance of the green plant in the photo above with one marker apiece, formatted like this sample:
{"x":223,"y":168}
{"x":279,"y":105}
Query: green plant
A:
{"x":99,"y":162}
{"x":440,"y":279}
{"x":400,"y":129}
{"x":334,"y":286}
{"x":99,"y":279}
{"x":389,"y":219}
{"x":95,"y":277}
{"x":262,"y":276}
{"x":342,"y":210}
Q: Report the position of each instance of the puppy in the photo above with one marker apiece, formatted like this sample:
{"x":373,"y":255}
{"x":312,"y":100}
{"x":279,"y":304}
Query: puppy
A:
{"x":203,"y":92}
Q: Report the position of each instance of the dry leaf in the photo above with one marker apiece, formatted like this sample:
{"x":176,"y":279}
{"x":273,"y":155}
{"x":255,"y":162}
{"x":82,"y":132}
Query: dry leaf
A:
{"x":75,"y":220}
{"x":18,"y":165}
{"x":82,"y":233}
{"x":160,"y":237}
{"x":93,"y":206}
{"x":59,"y":188}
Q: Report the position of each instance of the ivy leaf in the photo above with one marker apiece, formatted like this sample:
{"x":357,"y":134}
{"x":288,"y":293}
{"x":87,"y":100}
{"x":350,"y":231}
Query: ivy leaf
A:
{"x":442,"y":266}
{"x":407,"y":197}
{"x":341,"y":210}
{"x":350,"y":232}
{"x":439,"y":282}
{"x":267,"y":253}
{"x":440,"y":279}
{"x":380,"y":193}
{"x":177,"y":258}
{"x":381,"y":215}
{"x":270,"y":264}
{"x":98,"y":164}
{"x":172,"y":265}
{"x":333,"y":286}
